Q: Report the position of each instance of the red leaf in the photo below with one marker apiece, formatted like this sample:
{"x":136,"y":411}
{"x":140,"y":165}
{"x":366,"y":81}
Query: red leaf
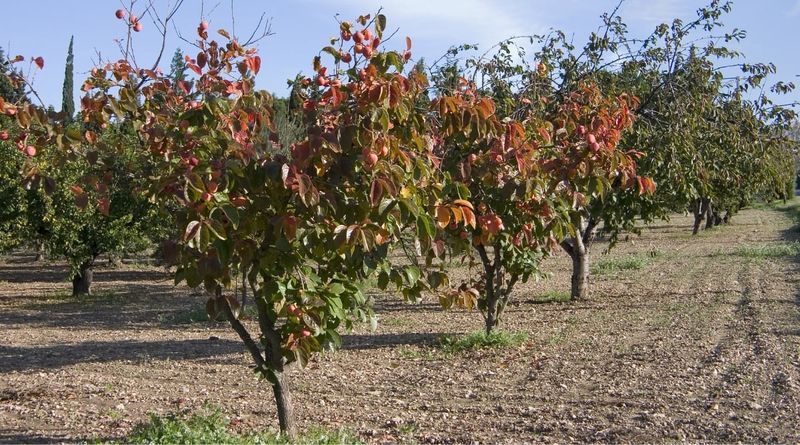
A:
{"x":39,"y":61}
{"x":82,"y":200}
{"x":103,"y":204}
{"x":375,"y":192}
{"x":254,"y":63}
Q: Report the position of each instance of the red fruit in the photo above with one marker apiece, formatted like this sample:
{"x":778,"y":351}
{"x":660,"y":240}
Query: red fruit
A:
{"x":204,"y":25}
{"x":472,"y":158}
{"x":347,"y":58}
{"x":212,"y":187}
{"x":3,"y":135}
{"x":346,"y":35}
{"x":359,"y":48}
{"x":138,"y":26}
{"x":120,"y":14}
{"x":371,"y":159}
{"x":305,"y":333}
{"x":206,"y":197}
{"x":308,"y":105}
{"x":590,"y":138}
{"x":594,"y":146}
{"x":30,"y":150}
{"x":292,"y":309}
{"x":463,"y":235}
{"x":384,"y":150}
{"x":193,"y":161}
{"x":134,"y":19}
{"x":367,"y":52}
{"x":581,"y":130}
{"x":375,"y":43}
{"x":358,"y":37}
{"x":367,"y":34}
{"x":322,"y":81}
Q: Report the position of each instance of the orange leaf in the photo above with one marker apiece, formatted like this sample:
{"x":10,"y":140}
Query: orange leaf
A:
{"x":464,"y":203}
{"x":442,"y":216}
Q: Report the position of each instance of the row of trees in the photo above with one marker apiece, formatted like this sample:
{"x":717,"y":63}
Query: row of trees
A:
{"x":492,"y":161}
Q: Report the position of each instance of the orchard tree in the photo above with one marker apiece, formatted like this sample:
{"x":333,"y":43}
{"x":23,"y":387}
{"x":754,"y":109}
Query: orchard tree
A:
{"x":309,"y":226}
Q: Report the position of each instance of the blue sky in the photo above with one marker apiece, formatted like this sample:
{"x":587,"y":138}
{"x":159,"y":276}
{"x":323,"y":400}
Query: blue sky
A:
{"x":301,"y":28}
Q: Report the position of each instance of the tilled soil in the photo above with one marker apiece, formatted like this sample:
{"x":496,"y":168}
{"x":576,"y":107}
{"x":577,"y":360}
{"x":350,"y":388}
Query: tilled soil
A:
{"x":700,"y":345}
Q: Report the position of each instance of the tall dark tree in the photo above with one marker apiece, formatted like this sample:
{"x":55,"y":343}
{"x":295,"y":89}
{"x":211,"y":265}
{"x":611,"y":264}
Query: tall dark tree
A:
{"x":177,"y":68}
{"x":67,"y":96}
{"x":9,"y":91}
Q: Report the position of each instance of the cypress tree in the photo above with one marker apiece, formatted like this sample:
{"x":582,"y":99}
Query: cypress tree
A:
{"x":67,"y":97}
{"x":177,"y":68}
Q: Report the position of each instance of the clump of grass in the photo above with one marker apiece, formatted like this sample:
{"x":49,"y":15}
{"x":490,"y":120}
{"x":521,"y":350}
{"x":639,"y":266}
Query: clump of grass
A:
{"x":768,"y":250}
{"x":637,"y":261}
{"x":479,"y":340}
{"x":553,"y":296}
{"x":209,"y":425}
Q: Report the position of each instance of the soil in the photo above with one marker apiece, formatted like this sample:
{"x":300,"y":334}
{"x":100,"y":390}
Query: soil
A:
{"x":700,"y":345}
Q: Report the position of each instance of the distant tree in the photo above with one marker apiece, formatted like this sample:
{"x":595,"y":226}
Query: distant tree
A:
{"x":67,"y":96}
{"x":177,"y":68}
{"x":8,"y":90}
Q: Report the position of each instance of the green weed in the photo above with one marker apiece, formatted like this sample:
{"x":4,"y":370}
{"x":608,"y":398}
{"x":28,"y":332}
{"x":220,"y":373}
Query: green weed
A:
{"x":771,"y":250}
{"x":209,"y":425}
{"x":479,"y":340}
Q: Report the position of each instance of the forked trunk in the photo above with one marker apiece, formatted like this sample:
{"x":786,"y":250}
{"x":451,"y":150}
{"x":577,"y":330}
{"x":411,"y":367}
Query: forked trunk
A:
{"x":270,"y":362}
{"x":82,"y":281}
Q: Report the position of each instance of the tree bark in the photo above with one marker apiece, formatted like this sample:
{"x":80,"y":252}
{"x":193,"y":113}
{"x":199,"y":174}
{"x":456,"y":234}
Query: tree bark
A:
{"x":244,"y":290}
{"x":490,"y":316}
{"x":576,"y":247}
{"x":82,"y":281}
{"x":699,"y":209}
{"x":283,"y":399}
{"x":580,"y":272}
{"x":709,"y":211}
{"x":39,"y":251}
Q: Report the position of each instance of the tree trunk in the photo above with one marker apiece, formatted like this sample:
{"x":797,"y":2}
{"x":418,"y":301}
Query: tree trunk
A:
{"x":700,"y":208}
{"x":39,"y":251}
{"x":244,"y":290}
{"x":709,"y":211}
{"x":283,"y":400}
{"x":82,"y":281}
{"x":271,"y":360}
{"x":580,"y":270}
{"x":490,"y":316}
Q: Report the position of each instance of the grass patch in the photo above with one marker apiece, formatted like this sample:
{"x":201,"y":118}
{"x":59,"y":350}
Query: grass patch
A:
{"x":553,"y":296}
{"x":479,"y":340}
{"x":771,"y":250}
{"x":607,"y":266}
{"x":209,"y":425}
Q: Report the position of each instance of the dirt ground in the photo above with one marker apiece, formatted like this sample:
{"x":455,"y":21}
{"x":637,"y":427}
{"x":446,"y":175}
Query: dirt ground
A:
{"x":699,"y":345}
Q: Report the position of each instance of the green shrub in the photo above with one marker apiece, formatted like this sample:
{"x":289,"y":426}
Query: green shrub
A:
{"x":768,"y":250}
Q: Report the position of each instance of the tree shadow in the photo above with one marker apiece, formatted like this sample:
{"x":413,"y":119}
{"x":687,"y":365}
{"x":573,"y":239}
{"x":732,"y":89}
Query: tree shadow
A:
{"x":29,"y":358}
{"x":15,"y":437}
{"x":378,"y":341}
